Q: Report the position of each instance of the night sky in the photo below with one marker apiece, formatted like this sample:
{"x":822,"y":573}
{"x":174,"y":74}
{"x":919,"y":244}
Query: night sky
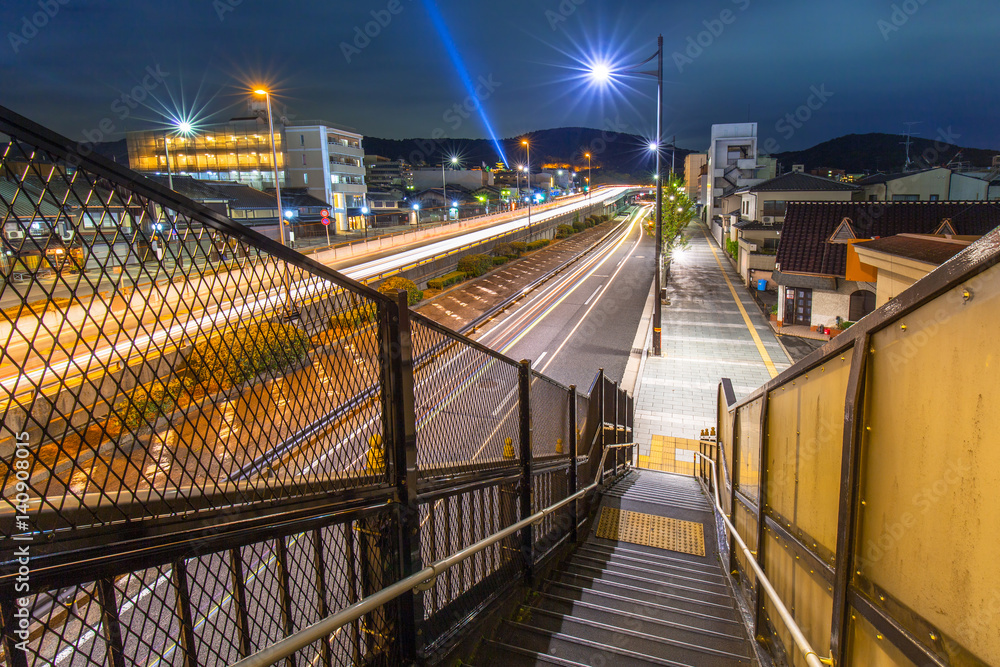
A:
{"x":864,"y":65}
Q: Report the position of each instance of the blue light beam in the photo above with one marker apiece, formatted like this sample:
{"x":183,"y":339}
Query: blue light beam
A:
{"x":463,"y":72}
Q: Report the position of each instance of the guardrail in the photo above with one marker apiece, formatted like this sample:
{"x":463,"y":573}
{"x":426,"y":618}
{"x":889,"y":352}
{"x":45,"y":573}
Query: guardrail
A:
{"x":196,"y":475}
{"x":861,"y":478}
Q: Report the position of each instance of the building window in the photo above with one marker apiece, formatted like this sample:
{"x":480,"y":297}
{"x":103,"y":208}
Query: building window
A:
{"x":305,"y":179}
{"x":302,"y":140}
{"x":774,"y":208}
{"x":906,"y":198}
{"x":935,"y":198}
{"x":303,"y":160}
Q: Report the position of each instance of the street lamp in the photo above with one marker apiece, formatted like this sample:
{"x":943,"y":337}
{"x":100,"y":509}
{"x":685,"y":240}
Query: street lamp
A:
{"x":589,"y":174}
{"x":182,"y":127}
{"x":527,"y":169}
{"x":416,"y":214}
{"x":274,"y":162}
{"x":602,"y":73}
{"x":444,"y":185}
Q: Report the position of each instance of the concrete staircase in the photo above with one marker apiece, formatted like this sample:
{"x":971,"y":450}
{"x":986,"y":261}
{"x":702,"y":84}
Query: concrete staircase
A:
{"x":622,"y":604}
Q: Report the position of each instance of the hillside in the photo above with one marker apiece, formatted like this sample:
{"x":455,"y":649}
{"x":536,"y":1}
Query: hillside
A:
{"x":859,"y":153}
{"x":611,"y":152}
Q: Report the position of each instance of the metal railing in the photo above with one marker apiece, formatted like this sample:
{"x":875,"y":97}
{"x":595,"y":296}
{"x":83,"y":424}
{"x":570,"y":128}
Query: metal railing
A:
{"x":807,"y":651}
{"x":210,"y":442}
{"x":861,"y":495}
{"x":419,"y":581}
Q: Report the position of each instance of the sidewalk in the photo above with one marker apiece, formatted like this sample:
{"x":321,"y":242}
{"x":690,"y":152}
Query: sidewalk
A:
{"x":711,"y":329}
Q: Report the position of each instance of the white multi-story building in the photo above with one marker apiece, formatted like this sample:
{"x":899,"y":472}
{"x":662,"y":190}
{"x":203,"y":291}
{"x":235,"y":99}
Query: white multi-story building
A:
{"x":328,"y":161}
{"x":732,"y":164}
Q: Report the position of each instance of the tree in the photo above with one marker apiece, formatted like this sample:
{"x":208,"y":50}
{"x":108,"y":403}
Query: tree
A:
{"x":678,"y":211}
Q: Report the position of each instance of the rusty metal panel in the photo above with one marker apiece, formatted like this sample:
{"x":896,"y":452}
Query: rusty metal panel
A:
{"x":805,"y":424}
{"x":931,"y":465}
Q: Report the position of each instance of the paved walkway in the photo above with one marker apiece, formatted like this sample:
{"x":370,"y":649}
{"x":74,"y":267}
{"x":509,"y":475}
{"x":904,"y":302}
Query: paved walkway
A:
{"x":711,"y":329}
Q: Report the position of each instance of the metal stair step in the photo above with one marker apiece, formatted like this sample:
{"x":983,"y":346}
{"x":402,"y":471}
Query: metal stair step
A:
{"x":716,"y":634}
{"x":636,"y":638}
{"x":667,"y":609}
{"x":691,"y":590}
{"x":668,"y":559}
{"x":592,"y":651}
{"x":707,"y":582}
{"x":673,"y":597}
{"x":500,"y":654}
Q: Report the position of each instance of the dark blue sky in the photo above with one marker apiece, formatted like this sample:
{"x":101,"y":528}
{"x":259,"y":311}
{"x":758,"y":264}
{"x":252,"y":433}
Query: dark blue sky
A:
{"x":878,"y":64}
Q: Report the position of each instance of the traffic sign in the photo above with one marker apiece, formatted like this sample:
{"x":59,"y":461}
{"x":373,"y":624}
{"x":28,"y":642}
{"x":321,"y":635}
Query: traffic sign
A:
{"x":325,"y":213}
{"x":326,"y":221}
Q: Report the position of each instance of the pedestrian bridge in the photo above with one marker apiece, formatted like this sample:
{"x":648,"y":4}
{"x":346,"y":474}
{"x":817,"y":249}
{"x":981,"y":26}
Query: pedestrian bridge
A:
{"x":216,"y":451}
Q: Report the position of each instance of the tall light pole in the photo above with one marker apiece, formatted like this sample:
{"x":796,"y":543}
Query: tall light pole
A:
{"x":274,"y":163}
{"x":364,"y":212}
{"x":184,"y":128}
{"x":444,"y":187}
{"x":290,"y":310}
{"x":589,"y":174}
{"x":531,"y":195}
{"x":416,"y":215}
{"x":603,"y":73}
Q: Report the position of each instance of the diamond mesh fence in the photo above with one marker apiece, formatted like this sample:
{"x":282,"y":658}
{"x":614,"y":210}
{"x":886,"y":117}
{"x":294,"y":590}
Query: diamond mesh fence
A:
{"x":550,"y":419}
{"x":466,"y":402}
{"x":195,"y":427}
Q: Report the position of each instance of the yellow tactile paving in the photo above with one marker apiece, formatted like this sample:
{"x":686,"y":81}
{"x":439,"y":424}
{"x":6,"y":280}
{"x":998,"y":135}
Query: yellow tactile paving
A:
{"x":652,"y":531}
{"x":669,"y":454}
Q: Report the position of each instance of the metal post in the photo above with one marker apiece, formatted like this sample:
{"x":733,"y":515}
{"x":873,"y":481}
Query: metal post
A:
{"x":238,"y":583}
{"x":734,"y":482}
{"x":166,"y":150}
{"x":600,"y":418}
{"x":319,"y":566}
{"x":111,"y":623}
{"x":761,"y":514}
{"x":401,"y":440}
{"x":850,"y":498}
{"x":15,"y":656}
{"x":284,"y":590}
{"x":657,"y":310}
{"x":524,"y":402}
{"x":184,"y":617}
{"x":573,"y":446}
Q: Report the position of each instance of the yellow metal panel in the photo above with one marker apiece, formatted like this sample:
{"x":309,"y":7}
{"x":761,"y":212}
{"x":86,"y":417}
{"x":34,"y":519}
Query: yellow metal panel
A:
{"x":931,"y":464}
{"x":808,"y":599}
{"x":805,"y":424}
{"x":870,"y":649}
{"x":746,"y":526}
{"x":748,"y":447}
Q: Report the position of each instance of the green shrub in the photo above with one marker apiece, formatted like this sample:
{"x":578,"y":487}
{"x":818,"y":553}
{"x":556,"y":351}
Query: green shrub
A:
{"x":391,"y":285}
{"x":503,"y":250}
{"x":519,"y":248}
{"x":579,"y":225}
{"x":248,"y":351}
{"x":498,"y":261}
{"x":539,"y":244}
{"x":475,"y":265}
{"x":846,"y":325}
{"x":562,"y":231}
{"x":732,"y":247}
{"x":356,"y":317}
{"x":145,"y":403}
{"x":446,"y":280}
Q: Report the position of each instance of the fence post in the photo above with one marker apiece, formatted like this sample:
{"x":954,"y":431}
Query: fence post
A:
{"x":399,"y":424}
{"x":600,"y":422}
{"x":524,"y":393}
{"x":573,"y":445}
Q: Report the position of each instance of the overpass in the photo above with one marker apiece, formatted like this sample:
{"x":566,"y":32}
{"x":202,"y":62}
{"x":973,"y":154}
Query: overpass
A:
{"x":364,"y":486}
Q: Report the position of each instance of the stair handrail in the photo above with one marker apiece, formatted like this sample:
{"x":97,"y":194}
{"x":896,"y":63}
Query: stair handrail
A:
{"x":812,"y":658}
{"x":417,"y":581}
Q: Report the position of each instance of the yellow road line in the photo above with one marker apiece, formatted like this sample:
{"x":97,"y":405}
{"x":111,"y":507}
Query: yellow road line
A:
{"x":739,"y":304}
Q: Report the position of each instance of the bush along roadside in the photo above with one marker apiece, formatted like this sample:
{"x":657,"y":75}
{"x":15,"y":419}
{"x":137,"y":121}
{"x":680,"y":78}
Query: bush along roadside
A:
{"x":446,"y":280}
{"x":391,"y":285}
{"x":218,"y":363}
{"x":475,"y":265}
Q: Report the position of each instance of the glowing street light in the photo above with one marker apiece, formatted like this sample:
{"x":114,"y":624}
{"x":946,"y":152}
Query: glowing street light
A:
{"x":274,"y":162}
{"x":183,"y":127}
{"x":527,"y":168}
{"x":589,"y":174}
{"x":601,"y":73}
